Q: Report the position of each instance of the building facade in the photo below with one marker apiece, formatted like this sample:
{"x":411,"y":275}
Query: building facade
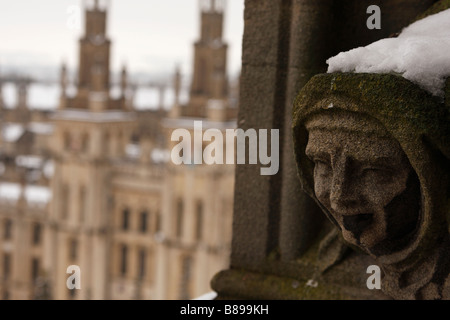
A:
{"x":137,"y":225}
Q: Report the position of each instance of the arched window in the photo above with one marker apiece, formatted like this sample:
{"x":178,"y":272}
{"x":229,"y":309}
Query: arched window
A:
{"x":83,"y":204}
{"x":34,"y":269}
{"x":85,"y":142}
{"x":7,"y":231}
{"x":142,"y":257}
{"x":123,"y":260}
{"x":64,"y":207}
{"x":6,"y":265}
{"x":158,"y":226}
{"x":125,"y":223}
{"x":143,"y":221}
{"x":199,"y":221}
{"x":73,"y":249}
{"x":37,"y":230}
{"x":67,"y":141}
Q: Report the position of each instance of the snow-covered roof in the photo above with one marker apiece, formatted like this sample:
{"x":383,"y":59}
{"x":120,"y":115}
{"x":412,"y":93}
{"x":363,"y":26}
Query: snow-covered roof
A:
{"x":10,"y":191}
{"x":148,"y":98}
{"x":9,"y":93}
{"x":71,"y":90}
{"x":420,"y":54}
{"x":33,"y":194}
{"x":11,"y":132}
{"x":30,"y":162}
{"x":41,"y":128}
{"x":157,"y":155}
{"x":43,"y":97}
{"x":90,"y":116}
{"x":40,"y":96}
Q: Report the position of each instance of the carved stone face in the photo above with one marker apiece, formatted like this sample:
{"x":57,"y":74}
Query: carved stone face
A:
{"x":364,"y":180}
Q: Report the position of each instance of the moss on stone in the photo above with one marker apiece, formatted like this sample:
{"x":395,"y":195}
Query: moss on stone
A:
{"x":412,"y":116}
{"x":436,"y":8}
{"x":243,"y":284}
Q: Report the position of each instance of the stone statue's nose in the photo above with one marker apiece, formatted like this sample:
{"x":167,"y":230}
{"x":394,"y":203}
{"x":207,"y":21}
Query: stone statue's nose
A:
{"x":342,"y":194}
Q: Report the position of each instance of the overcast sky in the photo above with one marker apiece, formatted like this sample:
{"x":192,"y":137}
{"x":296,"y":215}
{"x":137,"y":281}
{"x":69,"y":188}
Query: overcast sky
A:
{"x":150,"y":36}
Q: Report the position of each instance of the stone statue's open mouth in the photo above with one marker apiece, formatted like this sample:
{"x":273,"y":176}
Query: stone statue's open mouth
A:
{"x":357,"y":223}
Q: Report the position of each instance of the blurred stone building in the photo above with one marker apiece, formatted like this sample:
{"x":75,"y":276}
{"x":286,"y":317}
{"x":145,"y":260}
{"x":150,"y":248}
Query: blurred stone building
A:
{"x":91,"y":184}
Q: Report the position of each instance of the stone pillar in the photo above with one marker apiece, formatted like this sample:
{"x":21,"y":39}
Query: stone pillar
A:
{"x":63,"y":82}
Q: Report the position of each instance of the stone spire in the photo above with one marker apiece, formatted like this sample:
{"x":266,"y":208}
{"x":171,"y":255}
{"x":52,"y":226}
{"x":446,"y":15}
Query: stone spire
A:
{"x":124,"y":80}
{"x":209,"y":80}
{"x":63,"y":80}
{"x":177,"y":85}
{"x":63,"y":86}
{"x":22,"y":93}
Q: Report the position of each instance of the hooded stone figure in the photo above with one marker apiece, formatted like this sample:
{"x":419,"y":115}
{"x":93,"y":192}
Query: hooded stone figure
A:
{"x":373,"y":150}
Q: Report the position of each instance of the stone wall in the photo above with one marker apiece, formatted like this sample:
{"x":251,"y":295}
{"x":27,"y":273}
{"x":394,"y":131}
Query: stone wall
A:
{"x":275,"y":225}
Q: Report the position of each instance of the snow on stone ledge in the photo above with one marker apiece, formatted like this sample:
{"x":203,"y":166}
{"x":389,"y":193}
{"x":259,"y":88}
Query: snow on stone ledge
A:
{"x":207,"y":296}
{"x":420,"y":54}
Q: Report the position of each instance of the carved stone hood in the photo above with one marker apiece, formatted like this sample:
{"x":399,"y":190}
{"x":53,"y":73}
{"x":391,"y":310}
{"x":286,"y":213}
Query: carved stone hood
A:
{"x":417,"y":120}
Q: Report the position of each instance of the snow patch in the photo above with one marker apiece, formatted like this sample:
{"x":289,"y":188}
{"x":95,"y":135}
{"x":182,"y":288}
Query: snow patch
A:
{"x":207,"y":296}
{"x":49,"y":169}
{"x":10,"y":191}
{"x":160,"y":156}
{"x":41,"y":128}
{"x":133,"y":150}
{"x":33,"y":194}
{"x":30,"y":162}
{"x":420,"y":54}
{"x":38,"y":194}
{"x":89,"y":116}
{"x":12,"y":132}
